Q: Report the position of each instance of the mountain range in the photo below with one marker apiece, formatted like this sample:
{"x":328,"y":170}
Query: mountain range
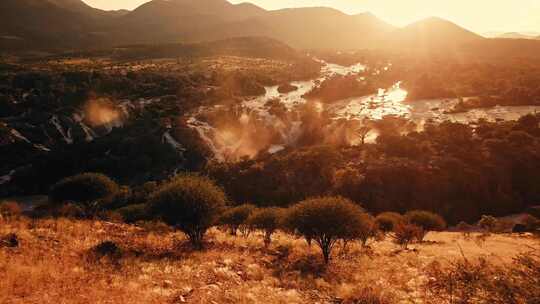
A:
{"x":60,"y":24}
{"x":512,"y":35}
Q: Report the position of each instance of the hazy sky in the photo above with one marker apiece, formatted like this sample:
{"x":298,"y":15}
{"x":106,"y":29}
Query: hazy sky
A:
{"x":476,"y":15}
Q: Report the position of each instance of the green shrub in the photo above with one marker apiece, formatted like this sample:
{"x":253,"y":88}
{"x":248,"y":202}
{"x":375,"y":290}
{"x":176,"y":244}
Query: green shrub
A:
{"x":267,"y":220}
{"x":235,"y":218}
{"x":325,"y":220}
{"x":188,"y":203}
{"x":91,"y":190}
{"x":134,"y":213}
{"x":388,"y":220}
{"x":428,"y":221}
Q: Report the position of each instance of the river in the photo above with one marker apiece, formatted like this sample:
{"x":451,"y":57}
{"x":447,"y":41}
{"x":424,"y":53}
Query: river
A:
{"x":387,"y":102}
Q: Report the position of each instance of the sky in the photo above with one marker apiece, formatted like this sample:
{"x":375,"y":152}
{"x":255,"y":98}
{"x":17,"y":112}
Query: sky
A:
{"x":476,"y":15}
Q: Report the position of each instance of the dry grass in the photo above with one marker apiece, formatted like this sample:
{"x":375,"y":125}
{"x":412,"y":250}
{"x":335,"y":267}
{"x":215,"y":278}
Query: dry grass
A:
{"x":56,"y":263}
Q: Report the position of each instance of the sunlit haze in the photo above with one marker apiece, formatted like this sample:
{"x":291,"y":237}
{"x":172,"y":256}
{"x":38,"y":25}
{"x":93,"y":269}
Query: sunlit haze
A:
{"x":478,"y":15}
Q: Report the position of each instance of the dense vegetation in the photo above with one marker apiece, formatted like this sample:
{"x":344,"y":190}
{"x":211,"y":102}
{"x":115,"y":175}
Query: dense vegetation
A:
{"x":460,"y":171}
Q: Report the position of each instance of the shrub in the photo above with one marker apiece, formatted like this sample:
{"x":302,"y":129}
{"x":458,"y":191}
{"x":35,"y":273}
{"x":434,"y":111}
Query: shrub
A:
{"x":267,"y":220}
{"x":482,"y":282}
{"x":122,"y":198}
{"x":325,"y":220}
{"x":11,"y":241}
{"x":488,"y":223}
{"x":369,"y":295}
{"x":235,"y":217}
{"x":531,"y":223}
{"x":10,"y":209}
{"x":428,"y":221}
{"x":189,"y":203}
{"x":406,"y":233}
{"x":70,"y":210}
{"x":388,"y":220}
{"x":88,"y":189}
{"x":464,"y":228}
{"x":134,"y":213}
{"x":107,"y":248}
{"x":142,"y":193}
{"x":368,"y":229}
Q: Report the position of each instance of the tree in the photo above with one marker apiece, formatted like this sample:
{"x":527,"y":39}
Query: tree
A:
{"x":426,"y":220}
{"x":368,"y":229}
{"x":325,"y":220}
{"x":234,"y":218}
{"x":91,"y":190}
{"x":190,"y":204}
{"x":363,"y":133}
{"x":387,"y":221}
{"x":268,"y":220}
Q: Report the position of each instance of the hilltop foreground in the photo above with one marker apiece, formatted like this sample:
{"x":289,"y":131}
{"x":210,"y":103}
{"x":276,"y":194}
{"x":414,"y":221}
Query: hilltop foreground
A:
{"x":61,"y":261}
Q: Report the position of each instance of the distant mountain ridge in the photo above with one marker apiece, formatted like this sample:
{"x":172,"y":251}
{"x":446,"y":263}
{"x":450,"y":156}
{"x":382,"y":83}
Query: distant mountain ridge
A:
{"x":72,"y":24}
{"x":512,"y":35}
{"x":432,"y":33}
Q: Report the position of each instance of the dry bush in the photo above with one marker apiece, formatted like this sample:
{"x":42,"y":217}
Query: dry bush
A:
{"x":488,"y":223}
{"x":133,"y":213}
{"x":405,"y":234}
{"x":368,"y":295}
{"x":482,"y":282}
{"x":70,"y":210}
{"x":388,"y":220}
{"x":428,"y":221}
{"x":531,"y":223}
{"x":10,"y":209}
{"x":465,"y":229}
{"x":10,"y":240}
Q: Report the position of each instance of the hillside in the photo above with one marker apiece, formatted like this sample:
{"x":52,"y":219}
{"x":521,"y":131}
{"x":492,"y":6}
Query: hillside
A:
{"x":325,"y":28}
{"x":47,"y":25}
{"x":432,"y":34}
{"x":253,"y":47}
{"x":83,"y":8}
{"x":301,"y":27}
{"x":57,"y":260}
{"x":36,"y":23}
{"x":55,"y":25}
{"x":515,"y":35}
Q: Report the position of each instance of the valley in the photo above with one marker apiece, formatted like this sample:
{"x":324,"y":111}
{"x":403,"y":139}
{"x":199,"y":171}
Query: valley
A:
{"x":200,"y":151}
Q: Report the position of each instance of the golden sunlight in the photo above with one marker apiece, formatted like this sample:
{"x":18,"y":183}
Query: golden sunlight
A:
{"x":99,"y":112}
